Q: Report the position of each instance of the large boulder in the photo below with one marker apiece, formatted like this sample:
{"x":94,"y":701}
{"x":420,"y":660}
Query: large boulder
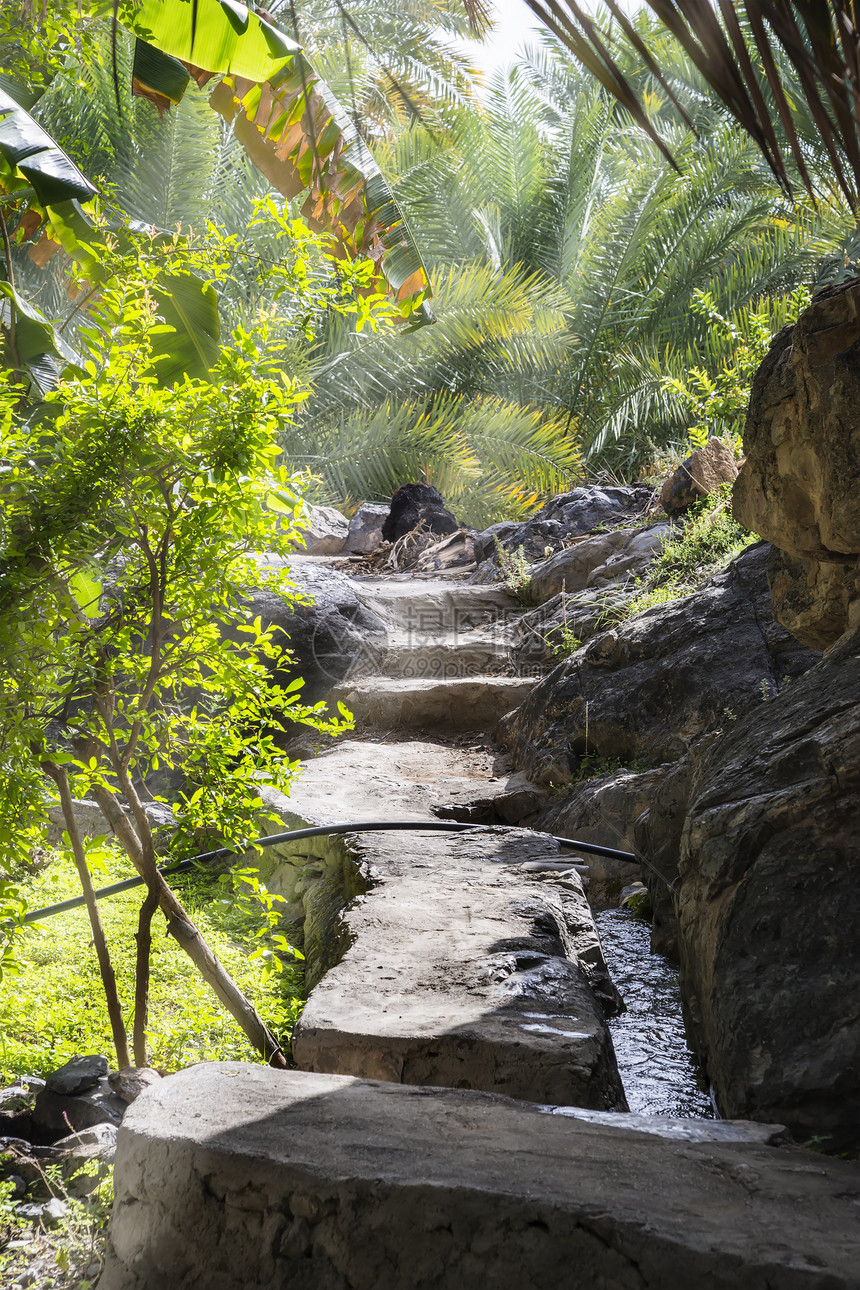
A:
{"x":604,"y":810}
{"x":545,"y":634}
{"x":649,"y":688}
{"x":800,"y":486}
{"x":416,"y":506}
{"x":566,"y":516}
{"x":701,"y":475}
{"x":329,"y":634}
{"x":598,"y":561}
{"x":770,"y":904}
{"x":323,"y":530}
{"x":814,"y":599}
{"x":365,"y":529}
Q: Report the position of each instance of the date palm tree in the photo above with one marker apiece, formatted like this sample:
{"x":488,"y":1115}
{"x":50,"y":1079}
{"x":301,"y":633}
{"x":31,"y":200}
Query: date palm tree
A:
{"x":769,"y":61}
{"x":551,"y":193}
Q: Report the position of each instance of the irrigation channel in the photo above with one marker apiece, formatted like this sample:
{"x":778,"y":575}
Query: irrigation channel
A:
{"x":657,"y":1068}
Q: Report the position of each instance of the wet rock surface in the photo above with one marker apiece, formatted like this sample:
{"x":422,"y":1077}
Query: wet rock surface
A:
{"x":466,"y":972}
{"x":649,"y":688}
{"x":231,"y":1175}
{"x":657,"y":842}
{"x":770,"y":876}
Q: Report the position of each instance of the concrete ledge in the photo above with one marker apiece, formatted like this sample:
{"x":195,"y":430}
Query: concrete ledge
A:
{"x":455,"y":703}
{"x":232,"y":1177}
{"x":465,"y":971}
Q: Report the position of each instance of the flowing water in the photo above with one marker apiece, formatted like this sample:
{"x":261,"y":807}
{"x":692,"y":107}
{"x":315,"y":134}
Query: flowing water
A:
{"x":657,"y":1067}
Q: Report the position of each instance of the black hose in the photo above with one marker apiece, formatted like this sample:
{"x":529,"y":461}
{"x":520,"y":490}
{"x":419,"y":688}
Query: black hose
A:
{"x":318,"y":831}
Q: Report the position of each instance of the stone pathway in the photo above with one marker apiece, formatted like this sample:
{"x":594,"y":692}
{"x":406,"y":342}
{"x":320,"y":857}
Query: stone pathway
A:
{"x":470,"y":963}
{"x":473,"y":960}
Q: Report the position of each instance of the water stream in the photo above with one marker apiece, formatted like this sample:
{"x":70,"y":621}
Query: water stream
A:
{"x":657,"y":1067}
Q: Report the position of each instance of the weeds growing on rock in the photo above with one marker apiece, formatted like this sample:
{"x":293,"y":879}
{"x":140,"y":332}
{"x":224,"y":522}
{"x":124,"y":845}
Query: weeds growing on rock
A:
{"x":707,"y":541}
{"x":517,"y":574}
{"x":61,"y":1253}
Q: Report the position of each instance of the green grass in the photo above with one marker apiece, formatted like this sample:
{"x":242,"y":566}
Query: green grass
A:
{"x":53,"y":1008}
{"x":708,"y":540}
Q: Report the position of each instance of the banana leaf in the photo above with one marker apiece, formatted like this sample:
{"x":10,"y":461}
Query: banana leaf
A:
{"x":190,"y":306}
{"x":39,"y":348}
{"x":157,"y":76}
{"x":34,"y":160}
{"x":218,"y":35}
{"x":184,"y":302}
{"x":291,"y":126}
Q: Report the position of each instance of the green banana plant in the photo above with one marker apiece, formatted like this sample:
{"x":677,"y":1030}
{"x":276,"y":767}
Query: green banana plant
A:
{"x":42,"y":193}
{"x":35,"y":173}
{"x":290,"y":125}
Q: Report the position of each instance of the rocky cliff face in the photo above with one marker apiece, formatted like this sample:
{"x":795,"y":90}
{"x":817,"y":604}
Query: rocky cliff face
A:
{"x":754,"y":824}
{"x":767,"y":902}
{"x":770,"y":903}
{"x":648,"y":689}
{"x":800,"y":486}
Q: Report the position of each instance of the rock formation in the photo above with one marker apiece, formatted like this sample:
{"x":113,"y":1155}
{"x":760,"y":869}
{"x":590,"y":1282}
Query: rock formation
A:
{"x":324,"y":531}
{"x":418,"y":506}
{"x":700,"y":475}
{"x":365,"y":528}
{"x":564,"y":517}
{"x":769,"y":907}
{"x":768,"y":871}
{"x":648,"y":689}
{"x":800,"y":486}
{"x":328,"y":635}
{"x":598,"y":561}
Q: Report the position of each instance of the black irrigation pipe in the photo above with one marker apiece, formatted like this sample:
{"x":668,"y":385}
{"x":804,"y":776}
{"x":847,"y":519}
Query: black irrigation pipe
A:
{"x":295,"y":835}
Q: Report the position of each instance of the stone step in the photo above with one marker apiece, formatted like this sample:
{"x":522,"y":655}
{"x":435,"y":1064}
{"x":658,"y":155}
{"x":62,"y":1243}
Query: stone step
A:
{"x":371,"y":780}
{"x":465,"y":970}
{"x":467,"y":653}
{"x":457,"y":703}
{"x":229,"y":1176}
{"x":436,"y":608}
{"x":409,"y":779}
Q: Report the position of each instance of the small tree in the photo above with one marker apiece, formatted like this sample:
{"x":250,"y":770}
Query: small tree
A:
{"x":135,"y":518}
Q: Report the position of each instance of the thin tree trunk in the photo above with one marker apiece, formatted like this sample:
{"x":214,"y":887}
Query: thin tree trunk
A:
{"x":143,"y":936}
{"x":120,"y":1037}
{"x":186,"y":934}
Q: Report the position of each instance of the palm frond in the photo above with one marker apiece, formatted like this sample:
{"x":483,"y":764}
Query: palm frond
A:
{"x":487,"y":457}
{"x":738,"y":48}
